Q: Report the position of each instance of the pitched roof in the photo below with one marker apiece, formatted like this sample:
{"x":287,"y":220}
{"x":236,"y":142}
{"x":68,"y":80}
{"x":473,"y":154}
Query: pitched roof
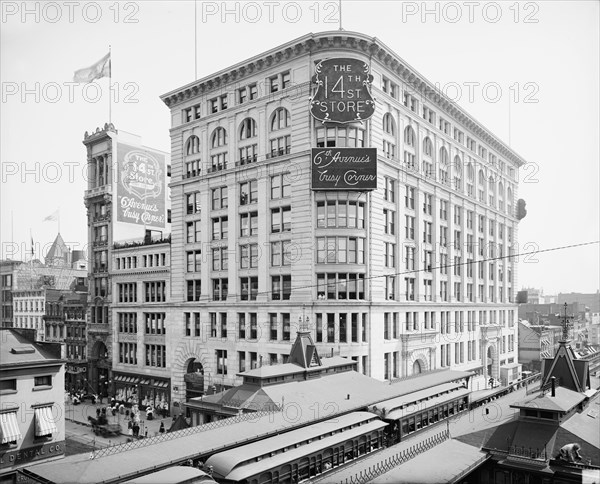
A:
{"x":58,"y":250}
{"x":571,"y":372}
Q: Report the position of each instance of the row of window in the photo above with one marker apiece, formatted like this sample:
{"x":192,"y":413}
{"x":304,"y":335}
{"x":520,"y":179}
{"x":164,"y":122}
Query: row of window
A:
{"x":252,"y":91}
{"x":150,"y":260}
{"x":155,"y":355}
{"x":413,"y":322}
{"x":154,"y":291}
{"x":430,"y":116}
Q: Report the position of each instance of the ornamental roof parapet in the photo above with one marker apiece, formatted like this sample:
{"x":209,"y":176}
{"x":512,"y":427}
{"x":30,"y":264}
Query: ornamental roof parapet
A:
{"x":353,"y":42}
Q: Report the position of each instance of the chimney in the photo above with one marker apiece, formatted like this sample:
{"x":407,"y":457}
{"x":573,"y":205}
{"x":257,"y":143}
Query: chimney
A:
{"x":553,"y":382}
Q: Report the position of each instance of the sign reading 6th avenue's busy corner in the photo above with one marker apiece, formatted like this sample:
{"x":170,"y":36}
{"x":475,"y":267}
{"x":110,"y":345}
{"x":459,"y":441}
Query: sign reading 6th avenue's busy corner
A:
{"x":343,"y":91}
{"x":344,"y":169}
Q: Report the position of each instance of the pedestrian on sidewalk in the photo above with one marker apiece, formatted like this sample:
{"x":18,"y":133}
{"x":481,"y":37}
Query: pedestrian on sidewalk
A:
{"x":162,"y":428}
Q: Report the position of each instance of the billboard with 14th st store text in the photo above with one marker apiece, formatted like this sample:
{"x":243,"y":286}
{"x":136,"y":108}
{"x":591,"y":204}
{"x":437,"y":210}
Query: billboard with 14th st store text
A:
{"x":344,"y":169}
{"x":141,"y":186}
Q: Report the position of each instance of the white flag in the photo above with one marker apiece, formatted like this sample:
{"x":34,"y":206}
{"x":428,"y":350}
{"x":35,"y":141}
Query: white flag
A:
{"x":98,"y":70}
{"x":52,"y":217}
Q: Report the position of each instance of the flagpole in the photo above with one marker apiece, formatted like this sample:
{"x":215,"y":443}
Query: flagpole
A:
{"x":109,"y":88}
{"x":58,"y":218}
{"x":195,"y":40}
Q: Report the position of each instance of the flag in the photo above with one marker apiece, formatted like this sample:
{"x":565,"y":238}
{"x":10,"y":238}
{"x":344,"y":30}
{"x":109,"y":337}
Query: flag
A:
{"x":52,"y":217}
{"x":98,"y":70}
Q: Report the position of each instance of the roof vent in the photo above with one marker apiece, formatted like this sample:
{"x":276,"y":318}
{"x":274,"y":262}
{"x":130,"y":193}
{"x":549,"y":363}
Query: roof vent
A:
{"x":22,"y":350}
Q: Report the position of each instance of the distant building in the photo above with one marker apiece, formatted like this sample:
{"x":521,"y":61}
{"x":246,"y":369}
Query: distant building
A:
{"x":65,"y":324}
{"x":32,"y":282}
{"x":592,"y":301}
{"x":7,"y":283}
{"x":536,"y":342}
{"x":32,"y":417}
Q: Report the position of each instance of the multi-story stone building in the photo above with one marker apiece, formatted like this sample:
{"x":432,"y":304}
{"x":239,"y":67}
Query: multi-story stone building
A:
{"x":126,"y":200}
{"x":410,"y":277}
{"x":141,"y":287}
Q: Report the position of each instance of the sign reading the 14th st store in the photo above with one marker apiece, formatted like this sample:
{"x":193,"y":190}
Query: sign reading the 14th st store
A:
{"x":343,"y":91}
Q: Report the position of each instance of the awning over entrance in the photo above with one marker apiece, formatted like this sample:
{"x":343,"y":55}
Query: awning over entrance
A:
{"x":9,"y":427}
{"x":44,"y":421}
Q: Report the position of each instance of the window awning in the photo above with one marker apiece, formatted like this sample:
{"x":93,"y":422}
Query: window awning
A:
{"x":44,"y":421}
{"x":9,"y":426}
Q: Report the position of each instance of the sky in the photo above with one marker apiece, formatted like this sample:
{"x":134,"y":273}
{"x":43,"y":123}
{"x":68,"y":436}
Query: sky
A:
{"x":528,"y":71}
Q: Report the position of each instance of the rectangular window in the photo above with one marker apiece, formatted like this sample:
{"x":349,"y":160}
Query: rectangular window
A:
{"x":273,"y":325}
{"x":280,"y":186}
{"x":248,"y":192}
{"x":42,"y":381}
{"x":249,"y":288}
{"x":220,"y":287}
{"x":221,"y":356}
{"x":281,"y":219}
{"x":219,"y":198}
{"x":248,"y":224}
{"x":281,"y":287}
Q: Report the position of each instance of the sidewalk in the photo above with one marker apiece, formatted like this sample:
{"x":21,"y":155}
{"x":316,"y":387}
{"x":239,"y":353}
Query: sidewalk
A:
{"x":80,"y":413}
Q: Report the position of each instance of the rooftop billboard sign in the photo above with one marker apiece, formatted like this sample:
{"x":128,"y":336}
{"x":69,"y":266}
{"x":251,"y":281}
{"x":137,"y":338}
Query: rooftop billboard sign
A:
{"x":140,"y":186}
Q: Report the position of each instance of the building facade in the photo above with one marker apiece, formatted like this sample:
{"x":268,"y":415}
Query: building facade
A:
{"x":142,"y":291}
{"x":32,"y":417}
{"x":7,"y":281}
{"x":127,"y":202}
{"x":410,"y":277}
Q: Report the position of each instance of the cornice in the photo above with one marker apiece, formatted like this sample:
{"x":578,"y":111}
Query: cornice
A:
{"x":342,"y":40}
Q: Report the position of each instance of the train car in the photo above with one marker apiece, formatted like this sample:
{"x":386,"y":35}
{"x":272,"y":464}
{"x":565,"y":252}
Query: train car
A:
{"x":174,"y":475}
{"x":412,"y":412}
{"x":302,"y":453}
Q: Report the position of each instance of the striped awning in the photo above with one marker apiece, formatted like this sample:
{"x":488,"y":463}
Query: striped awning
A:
{"x":9,"y":426}
{"x":44,"y":421}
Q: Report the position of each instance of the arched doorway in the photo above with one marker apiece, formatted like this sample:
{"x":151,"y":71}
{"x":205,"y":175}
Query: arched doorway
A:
{"x":194,"y":379}
{"x":492,"y":367}
{"x":417,"y":367}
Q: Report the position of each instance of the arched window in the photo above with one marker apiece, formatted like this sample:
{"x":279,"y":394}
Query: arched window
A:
{"x":389,"y":142}
{"x":509,"y":201}
{"x":248,"y":148}
{"x":443,"y":166}
{"x":218,"y":157}
{"x":409,"y":136}
{"x":492,"y":191}
{"x":501,"y":196}
{"x":192,"y":145}
{"x":280,"y":119}
{"x":280,"y":145}
{"x":458,"y":174}
{"x":247,"y":129}
{"x":470,"y":178}
{"x":428,"y":147}
{"x":389,"y":126}
{"x":481,"y":186}
{"x":219,"y":137}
